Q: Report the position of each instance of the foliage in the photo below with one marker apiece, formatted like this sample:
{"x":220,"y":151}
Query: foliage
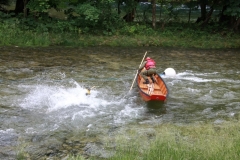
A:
{"x":102,"y":18}
{"x":105,"y":15}
{"x":39,"y":5}
{"x":137,"y":29}
{"x":89,"y":12}
{"x":94,"y":16}
{"x":3,"y":2}
{"x":14,"y":32}
{"x":233,"y":8}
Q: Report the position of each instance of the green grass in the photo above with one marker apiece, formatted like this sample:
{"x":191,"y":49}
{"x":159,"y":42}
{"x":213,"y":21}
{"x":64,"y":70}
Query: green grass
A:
{"x":175,"y":142}
{"x":11,"y":35}
{"x":172,"y":142}
{"x":200,"y":141}
{"x":30,"y":38}
{"x":175,"y":35}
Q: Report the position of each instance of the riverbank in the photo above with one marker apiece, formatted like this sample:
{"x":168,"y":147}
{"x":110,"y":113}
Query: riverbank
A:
{"x":187,"y":38}
{"x":28,"y":39}
{"x":218,"y":140}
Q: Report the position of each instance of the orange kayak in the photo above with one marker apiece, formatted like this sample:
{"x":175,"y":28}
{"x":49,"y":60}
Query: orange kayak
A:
{"x":156,"y":91}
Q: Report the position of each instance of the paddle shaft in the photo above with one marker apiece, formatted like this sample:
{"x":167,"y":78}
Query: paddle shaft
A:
{"x":137,"y":70}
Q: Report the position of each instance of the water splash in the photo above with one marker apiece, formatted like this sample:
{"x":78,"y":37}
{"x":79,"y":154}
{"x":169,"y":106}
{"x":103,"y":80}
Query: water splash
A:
{"x":56,"y":97}
{"x":202,"y":77}
{"x":70,"y":102}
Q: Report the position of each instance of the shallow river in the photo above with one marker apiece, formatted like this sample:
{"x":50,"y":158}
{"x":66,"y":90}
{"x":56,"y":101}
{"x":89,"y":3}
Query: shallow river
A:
{"x":44,"y":111}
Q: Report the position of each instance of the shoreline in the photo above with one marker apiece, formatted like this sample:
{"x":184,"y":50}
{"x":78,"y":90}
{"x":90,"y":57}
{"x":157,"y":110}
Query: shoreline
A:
{"x":31,"y":39}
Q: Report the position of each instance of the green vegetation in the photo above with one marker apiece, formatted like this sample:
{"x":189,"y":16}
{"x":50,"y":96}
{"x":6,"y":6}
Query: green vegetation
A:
{"x":75,"y":157}
{"x":120,"y":23}
{"x":130,"y":35}
{"x":200,"y":141}
{"x":169,"y":141}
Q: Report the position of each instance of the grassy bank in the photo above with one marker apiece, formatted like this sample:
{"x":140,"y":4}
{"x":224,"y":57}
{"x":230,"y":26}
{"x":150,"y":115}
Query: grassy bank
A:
{"x":185,"y":142}
{"x":175,"y":142}
{"x":29,"y":38}
{"x":130,"y":36}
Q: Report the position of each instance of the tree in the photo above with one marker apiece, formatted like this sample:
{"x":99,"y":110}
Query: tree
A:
{"x":203,"y":5}
{"x":230,"y":14}
{"x":21,"y":7}
{"x":153,"y":13}
{"x":3,"y":2}
{"x":191,"y":4}
{"x":130,"y":9}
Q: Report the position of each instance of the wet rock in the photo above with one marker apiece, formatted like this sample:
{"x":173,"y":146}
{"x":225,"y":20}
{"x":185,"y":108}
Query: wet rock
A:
{"x":8,"y":144}
{"x":7,"y":153}
{"x":42,"y":147}
{"x":49,"y":152}
{"x":98,"y":150}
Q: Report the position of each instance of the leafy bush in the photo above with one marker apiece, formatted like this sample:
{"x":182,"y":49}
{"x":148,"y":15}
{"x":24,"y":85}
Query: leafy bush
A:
{"x":131,"y":29}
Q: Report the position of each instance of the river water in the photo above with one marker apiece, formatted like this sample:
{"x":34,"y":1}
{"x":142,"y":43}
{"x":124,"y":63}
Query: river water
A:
{"x":44,"y":111}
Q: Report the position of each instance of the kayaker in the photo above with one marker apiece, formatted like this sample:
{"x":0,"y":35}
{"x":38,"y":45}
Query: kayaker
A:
{"x":150,"y":67}
{"x":88,"y":90}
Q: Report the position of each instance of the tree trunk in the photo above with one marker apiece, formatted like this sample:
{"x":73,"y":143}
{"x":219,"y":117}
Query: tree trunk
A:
{"x":129,"y":17}
{"x":203,"y":5}
{"x":21,"y":7}
{"x":118,"y":6}
{"x":154,"y":14}
{"x":25,"y":8}
{"x":203,"y":10}
{"x":236,"y":25}
{"x":189,"y":14}
{"x":231,"y":21}
{"x":208,"y":17}
{"x":224,"y":18}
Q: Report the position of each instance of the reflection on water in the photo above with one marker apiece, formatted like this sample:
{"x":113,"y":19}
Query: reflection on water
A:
{"x":43,"y":103}
{"x":156,"y":106}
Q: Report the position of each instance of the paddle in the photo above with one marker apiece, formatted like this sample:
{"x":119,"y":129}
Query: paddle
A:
{"x":137,"y":70}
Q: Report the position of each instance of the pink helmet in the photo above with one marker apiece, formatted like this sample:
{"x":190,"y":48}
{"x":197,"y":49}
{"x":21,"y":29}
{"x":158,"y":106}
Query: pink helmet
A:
{"x":148,"y":58}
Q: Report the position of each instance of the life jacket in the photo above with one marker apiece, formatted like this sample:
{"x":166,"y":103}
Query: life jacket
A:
{"x":150,"y":64}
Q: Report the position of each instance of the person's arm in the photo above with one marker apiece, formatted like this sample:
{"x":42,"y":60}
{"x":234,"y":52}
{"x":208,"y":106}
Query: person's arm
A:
{"x":142,"y":66}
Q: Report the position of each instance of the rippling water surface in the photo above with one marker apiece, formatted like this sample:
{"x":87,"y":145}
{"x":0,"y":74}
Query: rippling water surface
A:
{"x":45,"y":112}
